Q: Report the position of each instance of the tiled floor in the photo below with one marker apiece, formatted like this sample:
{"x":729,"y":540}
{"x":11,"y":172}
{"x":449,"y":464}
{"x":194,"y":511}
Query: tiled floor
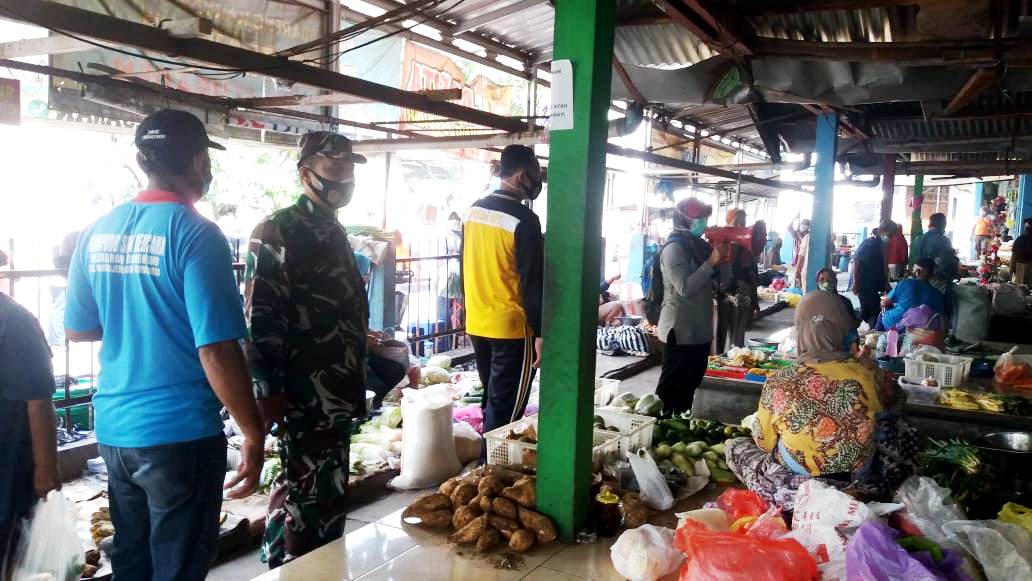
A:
{"x":388,"y":550}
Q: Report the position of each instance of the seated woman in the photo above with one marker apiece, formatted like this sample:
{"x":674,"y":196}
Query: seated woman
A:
{"x":910,"y":293}
{"x":819,"y":418}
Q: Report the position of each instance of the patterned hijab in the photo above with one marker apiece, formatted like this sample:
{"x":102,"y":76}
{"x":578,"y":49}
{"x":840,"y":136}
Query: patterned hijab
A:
{"x":822,"y":325}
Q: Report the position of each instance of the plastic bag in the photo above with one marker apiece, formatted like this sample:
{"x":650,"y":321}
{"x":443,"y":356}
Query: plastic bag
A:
{"x":739,"y":503}
{"x":1008,"y":299}
{"x":468,"y":442}
{"x":971,"y":312}
{"x":428,"y":446}
{"x":1010,"y":369}
{"x":873,"y":554}
{"x":823,"y":518}
{"x":713,"y":556}
{"x":1016,"y":514}
{"x":654,"y":489}
{"x":646,"y":553}
{"x":929,"y":507}
{"x":713,"y":518}
{"x":50,"y":548}
{"x":1004,"y":550}
{"x":472,"y":414}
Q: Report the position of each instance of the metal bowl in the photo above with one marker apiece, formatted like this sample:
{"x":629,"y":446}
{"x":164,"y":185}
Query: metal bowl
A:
{"x":1014,"y":442}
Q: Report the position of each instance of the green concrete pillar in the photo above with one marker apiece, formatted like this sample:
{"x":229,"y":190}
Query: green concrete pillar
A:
{"x":916,"y":229}
{"x":576,"y":177}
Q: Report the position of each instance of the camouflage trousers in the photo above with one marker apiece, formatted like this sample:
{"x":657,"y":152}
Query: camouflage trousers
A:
{"x":308,"y":505}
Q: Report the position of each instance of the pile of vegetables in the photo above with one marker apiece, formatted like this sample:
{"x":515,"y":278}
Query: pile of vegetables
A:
{"x":678,"y":443}
{"x":628,"y":403}
{"x":955,"y":465}
{"x":437,"y":370}
{"x":1015,"y":405}
{"x":376,"y":442}
{"x":490,"y":507}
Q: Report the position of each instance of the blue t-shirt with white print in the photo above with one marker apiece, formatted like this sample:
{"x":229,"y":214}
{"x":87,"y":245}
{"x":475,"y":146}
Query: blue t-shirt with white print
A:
{"x":157,"y":278}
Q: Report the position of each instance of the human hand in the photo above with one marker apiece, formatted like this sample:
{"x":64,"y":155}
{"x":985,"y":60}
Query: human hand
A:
{"x":252,"y":454}
{"x":719,"y":254}
{"x":538,"y":342}
{"x":273,"y":410}
{"x":886,"y":302}
{"x":614,"y":278}
{"x":45,"y":479}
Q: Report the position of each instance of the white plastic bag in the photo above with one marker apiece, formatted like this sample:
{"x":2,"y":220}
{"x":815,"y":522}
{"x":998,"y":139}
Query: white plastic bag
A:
{"x":929,"y":506}
{"x":1004,"y":550}
{"x":823,"y":518}
{"x":468,"y":442}
{"x":646,"y":553}
{"x":427,"y":443}
{"x":654,"y":490}
{"x":713,"y":518}
{"x":49,"y":549}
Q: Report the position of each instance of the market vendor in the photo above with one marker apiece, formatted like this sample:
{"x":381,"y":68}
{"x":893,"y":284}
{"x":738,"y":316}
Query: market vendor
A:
{"x":910,"y":293}
{"x":737,"y":301}
{"x":819,"y":417}
{"x":308,"y":317}
{"x":1021,"y":255}
{"x":934,"y":244}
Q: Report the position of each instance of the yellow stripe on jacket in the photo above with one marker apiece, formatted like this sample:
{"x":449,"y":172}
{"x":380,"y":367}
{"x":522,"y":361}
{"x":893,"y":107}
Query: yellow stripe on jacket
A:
{"x":491,"y":281}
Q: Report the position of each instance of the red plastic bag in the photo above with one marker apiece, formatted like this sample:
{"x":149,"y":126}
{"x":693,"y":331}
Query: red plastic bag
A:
{"x":738,"y":503}
{"x":713,"y":556}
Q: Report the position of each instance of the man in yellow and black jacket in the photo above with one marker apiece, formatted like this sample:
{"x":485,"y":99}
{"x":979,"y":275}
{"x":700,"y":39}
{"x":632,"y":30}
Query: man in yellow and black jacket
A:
{"x":502,"y":265}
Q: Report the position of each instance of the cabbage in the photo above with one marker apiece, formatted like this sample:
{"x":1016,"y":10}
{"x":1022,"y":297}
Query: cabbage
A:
{"x":442,"y":361}
{"x":433,"y":375}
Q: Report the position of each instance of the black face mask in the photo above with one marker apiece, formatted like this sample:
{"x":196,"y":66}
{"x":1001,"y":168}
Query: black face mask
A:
{"x":534,"y":190}
{"x":336,"y":194}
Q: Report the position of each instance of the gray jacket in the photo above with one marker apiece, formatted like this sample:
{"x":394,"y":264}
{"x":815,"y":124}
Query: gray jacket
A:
{"x":687,"y":297}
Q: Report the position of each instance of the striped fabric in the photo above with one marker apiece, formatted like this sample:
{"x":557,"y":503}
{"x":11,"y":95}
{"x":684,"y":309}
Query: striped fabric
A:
{"x":622,"y":340}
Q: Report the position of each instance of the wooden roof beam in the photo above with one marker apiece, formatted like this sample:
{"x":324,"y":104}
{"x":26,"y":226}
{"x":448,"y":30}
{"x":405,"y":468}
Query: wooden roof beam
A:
{"x":705,"y":25}
{"x":333,"y":99}
{"x":976,"y":52}
{"x":122,"y":32}
{"x":979,"y":82}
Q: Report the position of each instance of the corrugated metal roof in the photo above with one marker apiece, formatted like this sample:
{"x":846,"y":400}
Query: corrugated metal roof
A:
{"x":868,"y":25}
{"x":721,"y":119}
{"x":659,"y":45}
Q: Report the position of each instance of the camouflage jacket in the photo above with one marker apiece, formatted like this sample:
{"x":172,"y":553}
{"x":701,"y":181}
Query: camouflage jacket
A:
{"x":307,"y":316}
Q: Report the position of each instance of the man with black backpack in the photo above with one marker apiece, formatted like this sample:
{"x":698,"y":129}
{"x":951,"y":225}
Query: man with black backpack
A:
{"x":680,"y":301}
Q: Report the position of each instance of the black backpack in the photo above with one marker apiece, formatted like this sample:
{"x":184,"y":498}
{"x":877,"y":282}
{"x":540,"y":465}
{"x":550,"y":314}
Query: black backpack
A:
{"x":654,"y":295}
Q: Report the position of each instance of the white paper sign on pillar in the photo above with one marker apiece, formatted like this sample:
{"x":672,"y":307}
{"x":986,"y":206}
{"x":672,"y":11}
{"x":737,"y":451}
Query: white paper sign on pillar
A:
{"x":561,"y":115}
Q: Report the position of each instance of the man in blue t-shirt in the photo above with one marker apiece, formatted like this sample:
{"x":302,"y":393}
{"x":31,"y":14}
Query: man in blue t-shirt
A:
{"x":154,"y":280}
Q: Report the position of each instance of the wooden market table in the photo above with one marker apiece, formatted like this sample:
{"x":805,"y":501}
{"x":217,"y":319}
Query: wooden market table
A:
{"x":730,"y":400}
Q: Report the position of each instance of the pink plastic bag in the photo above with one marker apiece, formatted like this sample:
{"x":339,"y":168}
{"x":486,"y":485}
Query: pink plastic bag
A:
{"x":472,"y":415}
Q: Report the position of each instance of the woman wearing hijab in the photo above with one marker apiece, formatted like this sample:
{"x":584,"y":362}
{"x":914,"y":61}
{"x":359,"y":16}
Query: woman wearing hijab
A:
{"x":737,"y":300}
{"x":818,"y":418}
{"x":687,"y":264}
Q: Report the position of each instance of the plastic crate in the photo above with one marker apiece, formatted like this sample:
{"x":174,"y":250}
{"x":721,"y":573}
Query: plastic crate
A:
{"x":605,"y":391}
{"x":635,"y":430}
{"x":948,"y":370}
{"x":501,"y":450}
{"x":917,"y":393}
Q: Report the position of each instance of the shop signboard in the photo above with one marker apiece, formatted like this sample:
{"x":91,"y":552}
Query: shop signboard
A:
{"x":427,"y":69}
{"x":10,"y":101}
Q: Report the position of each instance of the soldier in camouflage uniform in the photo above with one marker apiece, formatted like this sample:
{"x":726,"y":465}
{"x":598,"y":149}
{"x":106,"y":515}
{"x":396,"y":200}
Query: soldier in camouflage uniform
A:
{"x":308,"y":316}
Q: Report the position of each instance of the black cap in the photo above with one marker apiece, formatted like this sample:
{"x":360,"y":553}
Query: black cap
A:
{"x":173,"y":131}
{"x":327,"y":144}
